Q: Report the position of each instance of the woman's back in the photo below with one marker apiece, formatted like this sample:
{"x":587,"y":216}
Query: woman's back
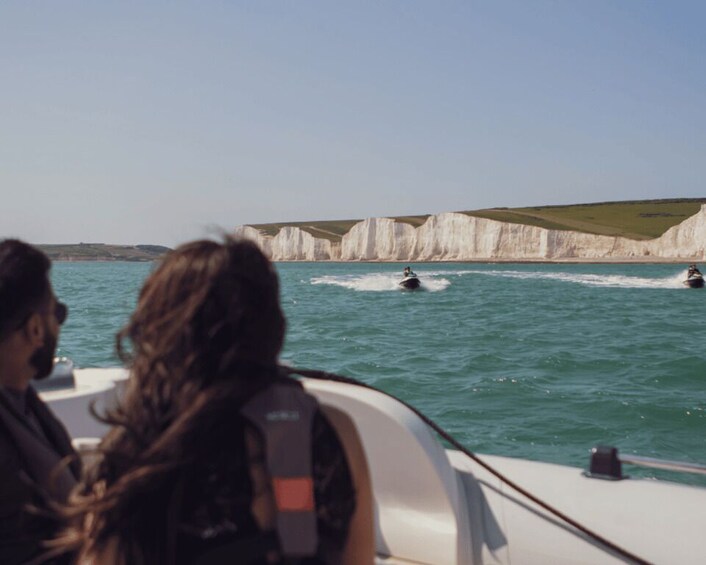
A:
{"x":228,"y":501}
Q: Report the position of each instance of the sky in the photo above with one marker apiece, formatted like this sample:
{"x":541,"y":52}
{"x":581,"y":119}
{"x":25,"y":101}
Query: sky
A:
{"x":158,"y":122}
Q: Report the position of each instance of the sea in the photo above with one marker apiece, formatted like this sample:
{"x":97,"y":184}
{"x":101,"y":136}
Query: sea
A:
{"x":539,"y":361}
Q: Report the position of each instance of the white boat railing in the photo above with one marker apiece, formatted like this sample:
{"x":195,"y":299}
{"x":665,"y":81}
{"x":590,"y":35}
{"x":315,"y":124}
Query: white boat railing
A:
{"x":680,"y":466}
{"x":606,"y":463}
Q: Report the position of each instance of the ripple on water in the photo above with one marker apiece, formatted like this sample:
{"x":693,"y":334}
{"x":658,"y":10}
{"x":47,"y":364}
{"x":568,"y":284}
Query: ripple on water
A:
{"x":537,"y":361}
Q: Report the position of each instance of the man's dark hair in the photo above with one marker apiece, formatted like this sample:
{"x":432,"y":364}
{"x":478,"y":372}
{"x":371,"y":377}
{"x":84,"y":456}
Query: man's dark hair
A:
{"x":24,"y":282}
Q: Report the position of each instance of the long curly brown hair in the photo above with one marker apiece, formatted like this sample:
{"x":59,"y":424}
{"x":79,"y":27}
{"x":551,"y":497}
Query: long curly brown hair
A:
{"x":205,"y":336}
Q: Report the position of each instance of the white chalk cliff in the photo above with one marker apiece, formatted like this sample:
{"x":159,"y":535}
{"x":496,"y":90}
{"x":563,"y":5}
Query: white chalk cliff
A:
{"x":457,"y":237}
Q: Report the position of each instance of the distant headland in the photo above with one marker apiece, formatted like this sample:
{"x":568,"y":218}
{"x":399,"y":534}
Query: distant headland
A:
{"x":103,"y":252}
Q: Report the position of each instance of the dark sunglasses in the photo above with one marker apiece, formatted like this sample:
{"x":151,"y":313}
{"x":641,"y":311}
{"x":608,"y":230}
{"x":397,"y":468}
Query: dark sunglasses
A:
{"x":61,"y":310}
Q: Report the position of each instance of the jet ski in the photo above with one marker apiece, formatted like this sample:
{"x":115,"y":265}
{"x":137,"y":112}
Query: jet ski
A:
{"x":695,"y":280}
{"x":411,"y":282}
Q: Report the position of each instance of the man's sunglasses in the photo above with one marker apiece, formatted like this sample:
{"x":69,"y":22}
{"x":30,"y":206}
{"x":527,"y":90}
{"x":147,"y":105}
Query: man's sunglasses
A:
{"x":61,"y":310}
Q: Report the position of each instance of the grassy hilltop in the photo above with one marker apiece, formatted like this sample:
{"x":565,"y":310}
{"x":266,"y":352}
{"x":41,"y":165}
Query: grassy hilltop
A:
{"x":102,"y":252}
{"x":635,"y":219}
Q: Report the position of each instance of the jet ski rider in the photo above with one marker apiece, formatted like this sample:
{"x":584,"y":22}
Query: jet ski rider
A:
{"x":408,"y":272}
{"x":693,"y":271}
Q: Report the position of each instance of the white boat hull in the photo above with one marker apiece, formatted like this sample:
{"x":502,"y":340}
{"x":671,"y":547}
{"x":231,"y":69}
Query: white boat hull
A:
{"x":431,"y":505}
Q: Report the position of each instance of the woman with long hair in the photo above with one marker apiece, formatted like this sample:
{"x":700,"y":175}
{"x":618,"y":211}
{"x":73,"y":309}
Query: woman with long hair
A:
{"x":181,"y":471}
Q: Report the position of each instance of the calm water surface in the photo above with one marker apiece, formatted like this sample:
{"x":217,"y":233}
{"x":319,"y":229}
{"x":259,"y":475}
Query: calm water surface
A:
{"x":535,"y":361}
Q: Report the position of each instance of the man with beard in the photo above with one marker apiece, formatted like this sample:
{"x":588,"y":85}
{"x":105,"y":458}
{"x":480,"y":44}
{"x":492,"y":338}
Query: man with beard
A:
{"x":32,"y":441}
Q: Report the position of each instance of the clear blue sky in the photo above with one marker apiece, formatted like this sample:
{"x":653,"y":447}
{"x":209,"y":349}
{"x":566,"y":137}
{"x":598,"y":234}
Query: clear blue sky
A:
{"x":154,"y":122}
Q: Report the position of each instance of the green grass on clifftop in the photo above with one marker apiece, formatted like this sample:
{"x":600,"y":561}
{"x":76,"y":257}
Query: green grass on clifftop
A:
{"x":646,"y":219}
{"x":331,"y":230}
{"x":638,"y":219}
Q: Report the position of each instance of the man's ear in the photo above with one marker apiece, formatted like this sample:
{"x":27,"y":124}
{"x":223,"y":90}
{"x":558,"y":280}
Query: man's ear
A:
{"x":34,"y":329}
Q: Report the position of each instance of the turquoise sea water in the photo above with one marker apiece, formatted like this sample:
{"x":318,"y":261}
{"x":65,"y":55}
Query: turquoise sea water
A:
{"x":530,"y":360}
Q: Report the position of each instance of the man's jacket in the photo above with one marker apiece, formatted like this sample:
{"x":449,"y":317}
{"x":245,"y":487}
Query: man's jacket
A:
{"x":29,"y":459}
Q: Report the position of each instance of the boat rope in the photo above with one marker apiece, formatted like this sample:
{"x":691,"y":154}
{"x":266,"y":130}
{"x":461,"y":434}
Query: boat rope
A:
{"x":607,"y":544}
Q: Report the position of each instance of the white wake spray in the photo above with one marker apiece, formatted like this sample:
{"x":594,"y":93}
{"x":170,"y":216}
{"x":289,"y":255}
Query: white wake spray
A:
{"x":609,"y":281}
{"x":379,"y":282}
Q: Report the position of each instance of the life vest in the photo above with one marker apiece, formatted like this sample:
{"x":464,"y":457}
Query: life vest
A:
{"x":284,"y":416}
{"x":283,"y":413}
